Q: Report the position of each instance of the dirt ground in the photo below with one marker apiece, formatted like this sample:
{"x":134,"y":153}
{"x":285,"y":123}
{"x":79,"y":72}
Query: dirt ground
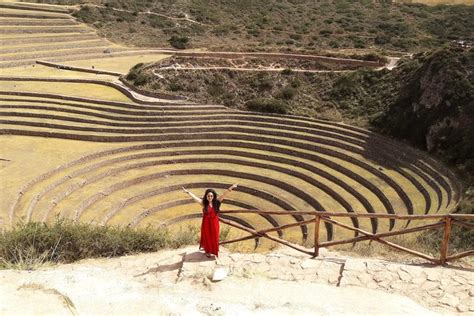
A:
{"x":172,"y":282}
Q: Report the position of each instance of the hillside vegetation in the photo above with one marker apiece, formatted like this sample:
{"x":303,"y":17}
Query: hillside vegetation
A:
{"x":434,"y":109}
{"x":28,"y":245}
{"x":277,"y":25}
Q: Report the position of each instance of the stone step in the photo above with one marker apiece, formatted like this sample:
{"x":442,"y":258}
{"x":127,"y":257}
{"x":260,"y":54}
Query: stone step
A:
{"x":196,"y":266}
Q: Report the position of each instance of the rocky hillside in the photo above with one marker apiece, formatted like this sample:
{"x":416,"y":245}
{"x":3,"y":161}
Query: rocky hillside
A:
{"x":301,"y":25}
{"x":434,"y":108}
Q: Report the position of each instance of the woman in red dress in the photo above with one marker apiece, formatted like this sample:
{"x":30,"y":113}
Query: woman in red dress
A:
{"x":210,"y":204}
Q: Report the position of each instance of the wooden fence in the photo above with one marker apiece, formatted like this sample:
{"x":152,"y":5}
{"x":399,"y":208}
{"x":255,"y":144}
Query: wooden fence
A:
{"x":440,"y":221}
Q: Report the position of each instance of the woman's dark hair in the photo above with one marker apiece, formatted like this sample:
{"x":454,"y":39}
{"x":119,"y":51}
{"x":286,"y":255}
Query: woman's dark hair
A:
{"x":215,"y":202}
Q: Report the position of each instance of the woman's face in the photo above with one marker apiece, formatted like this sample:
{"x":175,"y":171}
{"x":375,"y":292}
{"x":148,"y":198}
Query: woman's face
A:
{"x":210,"y":196}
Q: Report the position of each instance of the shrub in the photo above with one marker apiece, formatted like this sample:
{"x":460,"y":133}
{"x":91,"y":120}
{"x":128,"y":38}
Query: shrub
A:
{"x":287,"y":72}
{"x":287,"y":93}
{"x":333,"y":44}
{"x":382,"y":39}
{"x":87,"y":14}
{"x":64,"y":241}
{"x":262,"y":82}
{"x":174,"y":86}
{"x":461,"y":238}
{"x":296,"y":83}
{"x":253,"y":32}
{"x":224,"y":29}
{"x":179,"y":42}
{"x":325,"y":33}
{"x":137,"y":76}
{"x":187,"y":236}
{"x":359,"y":44}
{"x":160,"y":22}
{"x":134,"y":72}
{"x":295,"y":37}
{"x":141,"y":79}
{"x":267,"y":105}
{"x":374,"y":57}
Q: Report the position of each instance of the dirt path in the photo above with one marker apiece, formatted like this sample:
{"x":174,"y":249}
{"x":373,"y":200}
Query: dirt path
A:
{"x":176,"y":282}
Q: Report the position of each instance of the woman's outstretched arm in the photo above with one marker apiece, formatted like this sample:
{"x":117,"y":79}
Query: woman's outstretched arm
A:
{"x":195,"y":198}
{"x":222,"y":196}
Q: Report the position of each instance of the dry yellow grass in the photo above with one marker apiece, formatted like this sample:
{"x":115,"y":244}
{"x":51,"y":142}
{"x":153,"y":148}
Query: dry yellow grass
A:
{"x":118,"y":64}
{"x":176,"y":180}
{"x":33,"y":13}
{"x":54,"y":44}
{"x":93,"y":91}
{"x":115,"y":64}
{"x":26,"y":36}
{"x":43,"y":5}
{"x":24,"y":158}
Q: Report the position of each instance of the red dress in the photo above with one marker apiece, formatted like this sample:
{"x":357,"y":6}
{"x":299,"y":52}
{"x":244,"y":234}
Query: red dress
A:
{"x":210,"y":231}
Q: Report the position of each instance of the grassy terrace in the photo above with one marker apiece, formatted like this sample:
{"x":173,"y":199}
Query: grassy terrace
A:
{"x":116,"y":64}
{"x":28,"y":34}
{"x":296,"y":163}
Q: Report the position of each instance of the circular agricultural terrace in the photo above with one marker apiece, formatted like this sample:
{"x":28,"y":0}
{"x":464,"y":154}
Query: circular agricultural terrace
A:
{"x":280,"y":162}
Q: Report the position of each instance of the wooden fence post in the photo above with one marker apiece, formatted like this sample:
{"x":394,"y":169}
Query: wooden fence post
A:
{"x":317,"y":220}
{"x":445,"y":242}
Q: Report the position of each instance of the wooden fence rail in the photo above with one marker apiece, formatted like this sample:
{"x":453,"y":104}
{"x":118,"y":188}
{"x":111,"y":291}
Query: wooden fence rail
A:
{"x":446,"y":221}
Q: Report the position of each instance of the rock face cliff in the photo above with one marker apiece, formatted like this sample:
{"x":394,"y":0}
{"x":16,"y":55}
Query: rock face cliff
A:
{"x":434,"y":108}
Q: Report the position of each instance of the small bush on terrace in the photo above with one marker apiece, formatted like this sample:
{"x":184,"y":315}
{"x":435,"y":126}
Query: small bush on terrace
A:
{"x":267,"y":105}
{"x":134,"y":71}
{"x":137,"y":76}
{"x":179,"y":42}
{"x":30,"y":244}
{"x":287,"y":93}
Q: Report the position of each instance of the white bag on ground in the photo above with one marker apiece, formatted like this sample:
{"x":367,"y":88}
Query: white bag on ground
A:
{"x":219,"y":274}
